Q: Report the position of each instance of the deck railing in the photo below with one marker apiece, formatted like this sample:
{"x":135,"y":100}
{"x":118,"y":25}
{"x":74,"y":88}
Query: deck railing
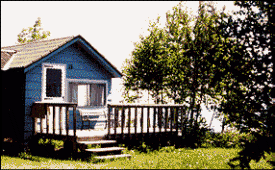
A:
{"x":41,"y":111}
{"x":127,"y":119}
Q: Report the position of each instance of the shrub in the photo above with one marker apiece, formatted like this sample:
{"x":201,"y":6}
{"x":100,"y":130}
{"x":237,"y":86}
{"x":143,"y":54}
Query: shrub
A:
{"x":196,"y":135}
{"x":142,"y":147}
{"x":56,"y":144}
{"x":228,"y":139}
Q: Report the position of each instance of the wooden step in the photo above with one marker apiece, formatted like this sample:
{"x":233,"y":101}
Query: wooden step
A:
{"x":108,"y":149}
{"x":97,"y":142}
{"x":113,"y":156}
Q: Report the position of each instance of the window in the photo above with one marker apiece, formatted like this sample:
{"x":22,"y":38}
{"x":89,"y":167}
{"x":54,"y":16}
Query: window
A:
{"x":53,"y":82}
{"x":87,"y":94}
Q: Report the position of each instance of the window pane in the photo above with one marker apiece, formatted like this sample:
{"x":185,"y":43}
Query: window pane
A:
{"x":97,"y":94}
{"x":83,"y":94}
{"x":87,"y":94}
{"x":73,"y":93}
{"x":53,"y":82}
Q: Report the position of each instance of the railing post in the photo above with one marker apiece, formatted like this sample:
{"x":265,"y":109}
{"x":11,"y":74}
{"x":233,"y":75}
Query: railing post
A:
{"x":177,"y":121}
{"x":160,"y":125}
{"x":135,"y":122}
{"x":35,"y":126}
{"x":129,"y":122}
{"x":60,"y":117}
{"x":154,"y":121}
{"x":122,"y":122}
{"x":67,"y":121}
{"x":148,"y":119}
{"x":160,"y":118}
{"x":166,"y":119}
{"x":74,"y":138}
{"x":41,"y":124}
{"x":116,"y":113}
{"x":109,"y":120}
{"x":74,"y":120}
{"x":142,"y":123}
{"x":53,"y":120}
{"x":47,"y":119}
{"x":171,"y":119}
{"x":182,"y":121}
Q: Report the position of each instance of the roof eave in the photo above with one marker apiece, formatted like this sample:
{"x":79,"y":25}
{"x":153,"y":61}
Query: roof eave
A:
{"x":111,"y":68}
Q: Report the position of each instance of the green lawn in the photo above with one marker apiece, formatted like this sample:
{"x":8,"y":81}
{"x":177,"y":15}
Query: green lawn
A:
{"x":202,"y":158}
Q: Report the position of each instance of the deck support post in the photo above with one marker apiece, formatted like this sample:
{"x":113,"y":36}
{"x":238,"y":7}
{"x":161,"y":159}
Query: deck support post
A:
{"x":177,"y":127}
{"x":141,"y":124}
{"x":53,"y":120}
{"x":122,"y":122}
{"x":135,"y":122}
{"x":67,"y":121}
{"x":74,"y":138}
{"x":109,"y":121}
{"x":47,"y":119}
{"x":129,"y":122}
{"x":35,"y":125}
{"x":60,"y":117}
{"x":159,"y":125}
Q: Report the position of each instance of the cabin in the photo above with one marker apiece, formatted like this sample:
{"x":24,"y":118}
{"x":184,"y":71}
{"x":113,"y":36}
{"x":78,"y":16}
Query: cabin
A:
{"x":65,"y":72}
{"x":60,"y":89}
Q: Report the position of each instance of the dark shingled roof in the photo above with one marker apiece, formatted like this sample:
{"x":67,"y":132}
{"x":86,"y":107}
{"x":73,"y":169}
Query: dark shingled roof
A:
{"x":28,"y":53}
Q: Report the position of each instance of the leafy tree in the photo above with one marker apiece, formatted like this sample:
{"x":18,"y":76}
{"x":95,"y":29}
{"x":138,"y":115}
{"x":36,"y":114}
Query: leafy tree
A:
{"x":32,"y":33}
{"x":146,"y":73}
{"x":166,"y":61}
{"x":177,"y":60}
{"x":249,"y":86}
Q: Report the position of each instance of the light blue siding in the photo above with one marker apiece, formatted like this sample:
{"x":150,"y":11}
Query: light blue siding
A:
{"x":78,"y":67}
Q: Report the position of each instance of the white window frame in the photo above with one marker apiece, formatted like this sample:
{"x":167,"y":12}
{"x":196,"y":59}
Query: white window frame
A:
{"x":87,"y":81}
{"x":62,"y":67}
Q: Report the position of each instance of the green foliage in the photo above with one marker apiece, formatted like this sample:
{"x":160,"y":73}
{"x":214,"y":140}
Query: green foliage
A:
{"x":56,"y":144}
{"x":226,"y":57}
{"x":228,"y":139}
{"x":173,"y":62}
{"x":90,"y":146}
{"x":168,"y":149}
{"x":250,"y":88}
{"x":144,"y":148}
{"x":178,"y":62}
{"x":33,"y":33}
{"x":195,"y":136}
{"x":29,"y":156}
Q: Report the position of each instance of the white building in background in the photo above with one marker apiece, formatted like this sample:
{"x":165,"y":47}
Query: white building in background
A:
{"x":116,"y":98}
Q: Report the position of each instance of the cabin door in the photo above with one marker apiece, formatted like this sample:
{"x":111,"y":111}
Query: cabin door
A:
{"x":53,"y":83}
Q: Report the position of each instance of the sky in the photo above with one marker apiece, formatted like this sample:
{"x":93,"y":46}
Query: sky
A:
{"x":110,"y":27}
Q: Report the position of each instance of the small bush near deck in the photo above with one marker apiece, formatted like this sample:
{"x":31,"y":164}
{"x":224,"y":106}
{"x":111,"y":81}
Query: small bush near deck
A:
{"x":57,"y":144}
{"x":228,"y":139}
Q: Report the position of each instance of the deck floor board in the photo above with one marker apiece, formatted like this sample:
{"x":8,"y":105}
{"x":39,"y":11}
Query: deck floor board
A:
{"x":104,"y":132}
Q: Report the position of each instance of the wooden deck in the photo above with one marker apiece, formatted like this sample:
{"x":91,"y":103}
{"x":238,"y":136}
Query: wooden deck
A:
{"x":94,"y":133}
{"x":128,"y":124}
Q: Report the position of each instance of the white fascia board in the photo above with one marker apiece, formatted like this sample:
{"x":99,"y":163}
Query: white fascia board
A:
{"x":7,"y":66}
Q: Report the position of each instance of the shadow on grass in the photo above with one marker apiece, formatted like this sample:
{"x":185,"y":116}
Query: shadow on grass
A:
{"x":36,"y":152}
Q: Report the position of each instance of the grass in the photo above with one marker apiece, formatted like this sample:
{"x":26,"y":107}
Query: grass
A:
{"x":202,"y":158}
{"x":168,"y":157}
{"x":8,"y":162}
